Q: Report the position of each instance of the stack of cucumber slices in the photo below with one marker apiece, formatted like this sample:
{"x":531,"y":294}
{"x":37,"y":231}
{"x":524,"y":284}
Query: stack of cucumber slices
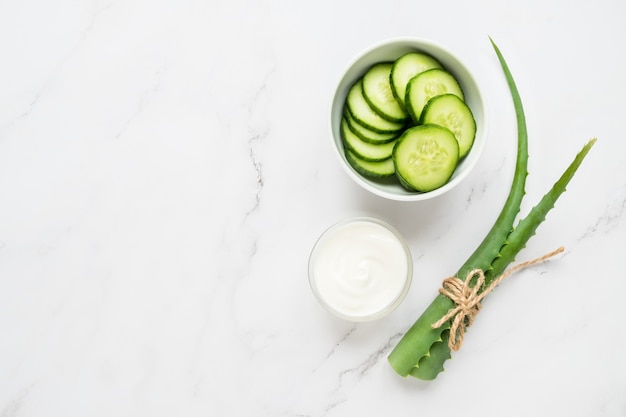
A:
{"x":407,"y":118}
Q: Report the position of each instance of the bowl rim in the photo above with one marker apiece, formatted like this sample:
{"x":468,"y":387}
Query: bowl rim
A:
{"x":469,"y":162}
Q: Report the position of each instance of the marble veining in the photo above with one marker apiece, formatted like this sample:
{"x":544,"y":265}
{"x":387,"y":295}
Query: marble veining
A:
{"x":611,"y":217}
{"x":165,"y":170}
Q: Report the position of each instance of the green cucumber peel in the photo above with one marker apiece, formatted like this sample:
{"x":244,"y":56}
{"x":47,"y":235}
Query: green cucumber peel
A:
{"x":422,"y":351}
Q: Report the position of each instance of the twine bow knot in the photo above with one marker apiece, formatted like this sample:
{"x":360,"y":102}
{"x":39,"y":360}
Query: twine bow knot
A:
{"x":467,"y":295}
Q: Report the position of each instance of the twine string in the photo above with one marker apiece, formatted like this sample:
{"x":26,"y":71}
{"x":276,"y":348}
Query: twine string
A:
{"x":467,"y":296}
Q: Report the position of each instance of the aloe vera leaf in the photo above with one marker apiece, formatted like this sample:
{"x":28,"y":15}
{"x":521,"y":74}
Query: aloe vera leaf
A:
{"x":422,"y":346}
{"x":528,"y":225}
{"x":413,"y":351}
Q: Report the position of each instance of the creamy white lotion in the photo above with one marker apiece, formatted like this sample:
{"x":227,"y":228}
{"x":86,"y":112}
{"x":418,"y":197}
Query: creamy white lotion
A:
{"x":360,"y":269}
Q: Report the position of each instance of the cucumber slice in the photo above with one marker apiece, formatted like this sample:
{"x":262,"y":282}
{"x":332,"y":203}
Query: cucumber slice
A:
{"x":425,"y":157}
{"x":366,"y":134}
{"x":451,"y":112}
{"x":427,"y":85}
{"x":407,"y":67}
{"x":363,"y":113}
{"x":380,"y":169}
{"x":377,"y":92}
{"x":364,"y":150}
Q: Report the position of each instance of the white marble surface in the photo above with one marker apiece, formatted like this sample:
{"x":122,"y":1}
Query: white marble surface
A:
{"x":165,"y":169}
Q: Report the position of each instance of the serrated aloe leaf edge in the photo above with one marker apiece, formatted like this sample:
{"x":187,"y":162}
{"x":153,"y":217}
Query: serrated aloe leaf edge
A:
{"x":422,"y":351}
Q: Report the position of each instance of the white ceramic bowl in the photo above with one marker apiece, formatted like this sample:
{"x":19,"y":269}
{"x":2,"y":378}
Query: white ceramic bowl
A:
{"x":390,"y":50}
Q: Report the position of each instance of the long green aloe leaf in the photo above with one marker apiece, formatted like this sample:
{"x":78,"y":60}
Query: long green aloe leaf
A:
{"x":423,"y":350}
